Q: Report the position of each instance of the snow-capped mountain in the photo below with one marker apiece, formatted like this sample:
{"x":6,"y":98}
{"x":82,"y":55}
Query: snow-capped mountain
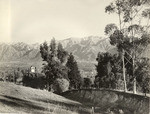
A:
{"x":18,"y":52}
{"x":83,"y":48}
{"x":87,"y":48}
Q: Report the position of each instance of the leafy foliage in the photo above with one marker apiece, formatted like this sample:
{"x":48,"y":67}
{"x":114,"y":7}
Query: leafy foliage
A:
{"x":146,"y":13}
{"x":61,"y":53}
{"x":60,"y":85}
{"x":34,"y":80}
{"x":131,"y":37}
{"x":109,"y":71}
{"x":116,"y":38}
{"x":126,"y":8}
{"x":73,"y":73}
{"x":57,"y":71}
{"x":53,"y":57}
{"x":110,"y":28}
{"x":87,"y":82}
{"x":143,"y":74}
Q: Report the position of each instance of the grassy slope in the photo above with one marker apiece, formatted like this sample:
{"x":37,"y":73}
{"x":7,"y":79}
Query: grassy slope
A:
{"x":20,"y":99}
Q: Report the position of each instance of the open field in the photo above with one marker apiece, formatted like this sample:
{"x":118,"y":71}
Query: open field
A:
{"x":20,"y":99}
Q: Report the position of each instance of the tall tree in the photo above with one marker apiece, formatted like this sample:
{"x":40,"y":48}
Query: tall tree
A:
{"x":53,"y":47}
{"x":61,"y":53}
{"x":52,"y":68}
{"x":108,"y":71}
{"x":103,"y":69}
{"x":73,"y":73}
{"x":131,"y":38}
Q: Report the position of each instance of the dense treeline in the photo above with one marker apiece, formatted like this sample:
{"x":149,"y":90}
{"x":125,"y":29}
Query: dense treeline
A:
{"x":109,"y":73}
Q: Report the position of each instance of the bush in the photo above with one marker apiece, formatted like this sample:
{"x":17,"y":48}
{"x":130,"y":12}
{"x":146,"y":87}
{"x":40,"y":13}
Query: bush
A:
{"x":87,"y":82}
{"x":37,"y":80}
{"x":60,"y":85}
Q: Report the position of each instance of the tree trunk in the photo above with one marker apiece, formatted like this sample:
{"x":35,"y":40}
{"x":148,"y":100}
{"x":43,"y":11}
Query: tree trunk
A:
{"x":123,"y":68}
{"x":134,"y":86}
{"x":134,"y":80}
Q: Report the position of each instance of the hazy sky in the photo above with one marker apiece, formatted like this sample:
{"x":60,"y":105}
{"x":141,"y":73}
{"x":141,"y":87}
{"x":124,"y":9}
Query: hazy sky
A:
{"x":34,"y":21}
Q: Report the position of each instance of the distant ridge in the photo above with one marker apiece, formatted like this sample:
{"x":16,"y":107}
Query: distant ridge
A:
{"x":87,"y":48}
{"x":83,"y":48}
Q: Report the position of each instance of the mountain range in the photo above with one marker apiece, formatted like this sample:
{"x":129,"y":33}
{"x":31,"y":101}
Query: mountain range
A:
{"x":84,"y":49}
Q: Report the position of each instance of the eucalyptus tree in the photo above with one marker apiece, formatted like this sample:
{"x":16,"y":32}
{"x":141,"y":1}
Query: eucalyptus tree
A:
{"x":131,"y":34}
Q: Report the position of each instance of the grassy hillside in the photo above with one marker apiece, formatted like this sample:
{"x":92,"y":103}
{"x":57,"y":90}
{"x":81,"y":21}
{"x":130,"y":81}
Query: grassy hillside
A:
{"x":20,"y":99}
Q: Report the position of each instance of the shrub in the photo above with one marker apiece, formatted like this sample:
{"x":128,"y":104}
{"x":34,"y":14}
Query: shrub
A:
{"x":60,"y":85}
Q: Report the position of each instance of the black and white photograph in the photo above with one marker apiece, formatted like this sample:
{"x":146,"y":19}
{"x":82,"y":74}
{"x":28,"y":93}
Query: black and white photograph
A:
{"x":74,"y":56}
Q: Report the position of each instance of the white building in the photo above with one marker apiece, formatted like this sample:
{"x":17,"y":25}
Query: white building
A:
{"x":32,"y":69}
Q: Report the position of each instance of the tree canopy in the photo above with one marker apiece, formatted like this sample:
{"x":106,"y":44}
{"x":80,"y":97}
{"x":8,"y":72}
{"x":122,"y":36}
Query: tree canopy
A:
{"x":73,"y":73}
{"x":53,"y":57}
{"x":131,"y":36}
